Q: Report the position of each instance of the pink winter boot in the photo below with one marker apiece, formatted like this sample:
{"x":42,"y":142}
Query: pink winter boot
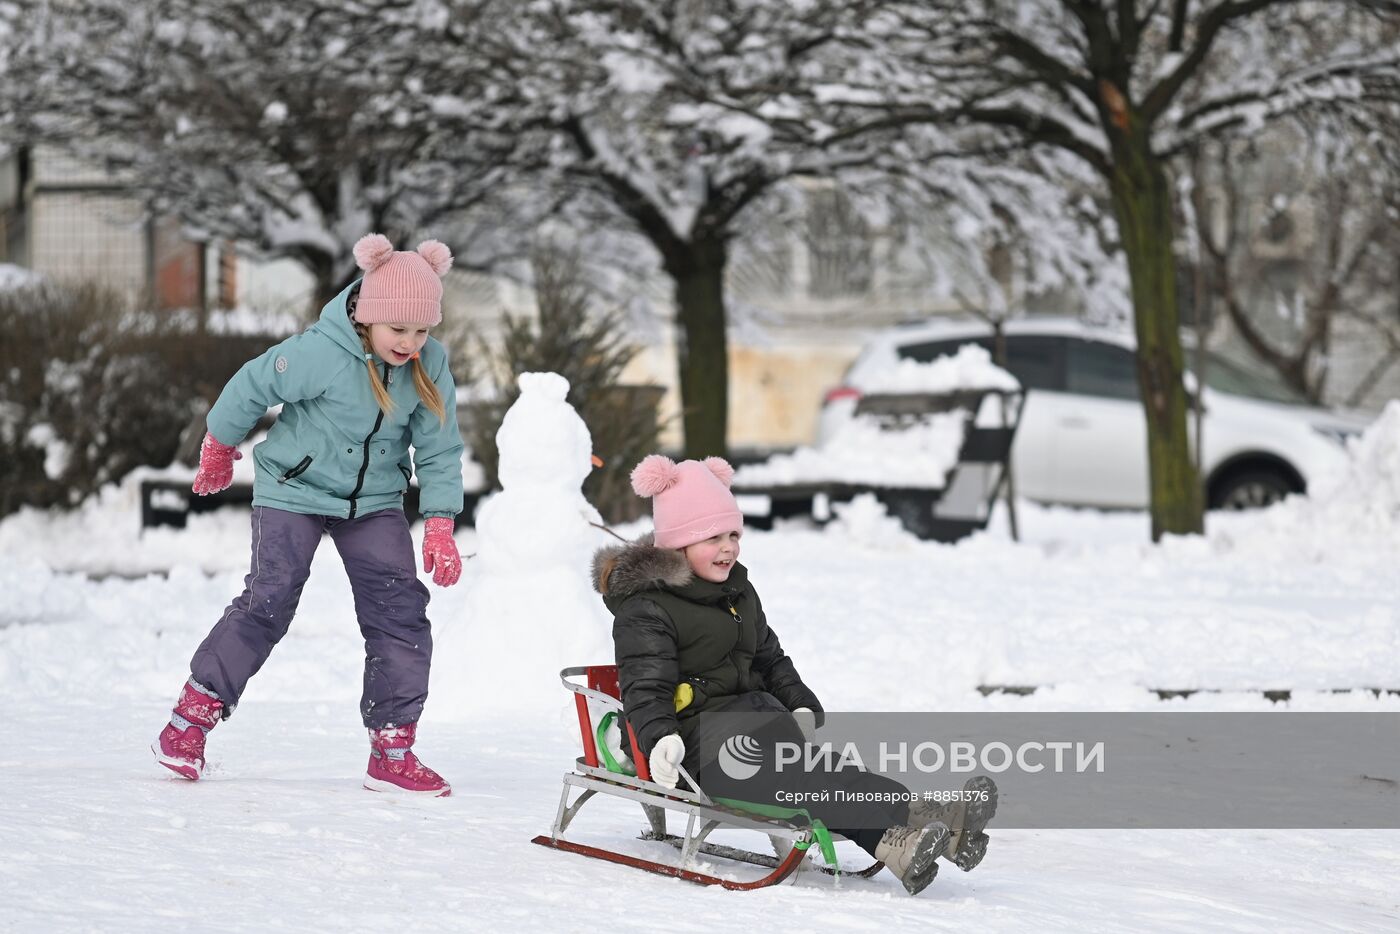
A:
{"x":180,"y":746}
{"x":393,"y":767}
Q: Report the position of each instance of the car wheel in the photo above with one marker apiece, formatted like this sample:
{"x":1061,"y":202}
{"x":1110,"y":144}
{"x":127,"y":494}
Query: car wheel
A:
{"x":1251,"y":490}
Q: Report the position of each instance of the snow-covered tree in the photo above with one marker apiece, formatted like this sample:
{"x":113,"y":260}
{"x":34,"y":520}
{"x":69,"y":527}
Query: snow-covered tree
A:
{"x":290,"y":128}
{"x":685,"y":122}
{"x":1124,"y":88}
{"x":629,"y":88}
{"x":1294,"y":222}
{"x":1298,"y":249}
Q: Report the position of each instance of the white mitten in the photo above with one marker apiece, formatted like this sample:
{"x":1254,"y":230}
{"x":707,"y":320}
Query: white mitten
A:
{"x":666,"y":755}
{"x":806,"y":722}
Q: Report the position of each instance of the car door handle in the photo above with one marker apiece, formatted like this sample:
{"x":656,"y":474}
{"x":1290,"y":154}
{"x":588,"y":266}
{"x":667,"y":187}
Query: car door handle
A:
{"x":1074,"y":421}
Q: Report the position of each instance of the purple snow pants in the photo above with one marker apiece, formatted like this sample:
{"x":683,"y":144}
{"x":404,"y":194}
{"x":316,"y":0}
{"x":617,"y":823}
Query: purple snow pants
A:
{"x":390,"y":602}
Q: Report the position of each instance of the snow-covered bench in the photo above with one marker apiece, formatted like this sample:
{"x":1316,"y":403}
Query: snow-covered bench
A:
{"x":936,"y":460}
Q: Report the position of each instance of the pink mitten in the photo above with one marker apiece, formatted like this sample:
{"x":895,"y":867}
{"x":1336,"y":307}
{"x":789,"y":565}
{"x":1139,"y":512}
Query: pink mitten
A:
{"x":215,"y":466}
{"x":440,"y":551}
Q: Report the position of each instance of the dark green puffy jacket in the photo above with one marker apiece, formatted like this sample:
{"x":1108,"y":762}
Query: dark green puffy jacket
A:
{"x":672,"y":627}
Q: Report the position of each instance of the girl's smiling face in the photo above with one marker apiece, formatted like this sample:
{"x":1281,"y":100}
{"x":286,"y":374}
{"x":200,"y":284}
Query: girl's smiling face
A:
{"x":397,"y":343}
{"x":714,"y":558}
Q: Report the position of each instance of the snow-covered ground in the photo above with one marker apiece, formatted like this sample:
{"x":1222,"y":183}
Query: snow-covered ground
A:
{"x":99,"y":622}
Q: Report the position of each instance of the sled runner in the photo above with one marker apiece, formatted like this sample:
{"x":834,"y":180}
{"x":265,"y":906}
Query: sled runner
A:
{"x":791,"y":831}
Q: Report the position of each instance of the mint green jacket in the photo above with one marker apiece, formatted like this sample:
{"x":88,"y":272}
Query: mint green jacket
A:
{"x":332,"y":451}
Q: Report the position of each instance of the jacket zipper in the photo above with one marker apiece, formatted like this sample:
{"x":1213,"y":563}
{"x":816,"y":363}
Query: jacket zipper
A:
{"x":731,"y":604}
{"x":296,"y":471}
{"x":364,"y":464}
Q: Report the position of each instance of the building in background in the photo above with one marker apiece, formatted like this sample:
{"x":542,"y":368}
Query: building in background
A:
{"x":74,"y":222}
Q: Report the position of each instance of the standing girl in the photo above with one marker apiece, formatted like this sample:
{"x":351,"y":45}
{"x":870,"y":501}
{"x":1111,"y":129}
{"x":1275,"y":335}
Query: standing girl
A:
{"x":357,"y":389}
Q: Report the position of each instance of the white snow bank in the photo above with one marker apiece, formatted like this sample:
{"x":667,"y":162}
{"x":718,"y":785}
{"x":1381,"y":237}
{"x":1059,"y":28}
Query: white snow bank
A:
{"x":1352,"y":511}
{"x":1366,"y":496}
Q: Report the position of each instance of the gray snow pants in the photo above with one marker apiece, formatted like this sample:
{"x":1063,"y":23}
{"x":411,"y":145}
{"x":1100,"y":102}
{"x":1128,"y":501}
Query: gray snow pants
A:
{"x":390,"y":602}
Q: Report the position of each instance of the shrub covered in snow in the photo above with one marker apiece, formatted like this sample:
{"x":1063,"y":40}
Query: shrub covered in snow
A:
{"x":91,"y":389}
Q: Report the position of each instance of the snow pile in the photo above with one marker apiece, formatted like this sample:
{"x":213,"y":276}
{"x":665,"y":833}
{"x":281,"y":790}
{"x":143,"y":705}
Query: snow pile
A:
{"x":103,"y":535}
{"x":864,"y":521}
{"x":1366,"y":496}
{"x":970,"y":368}
{"x":530,"y":607}
{"x":1351,"y":513}
{"x":863,"y":453}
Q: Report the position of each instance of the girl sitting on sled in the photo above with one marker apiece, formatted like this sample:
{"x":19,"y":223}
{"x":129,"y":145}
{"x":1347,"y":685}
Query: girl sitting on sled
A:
{"x":696,"y":658}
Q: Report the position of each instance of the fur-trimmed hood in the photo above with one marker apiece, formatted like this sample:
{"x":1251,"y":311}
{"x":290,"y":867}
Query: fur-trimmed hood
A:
{"x":619,"y":571}
{"x":623,"y":571}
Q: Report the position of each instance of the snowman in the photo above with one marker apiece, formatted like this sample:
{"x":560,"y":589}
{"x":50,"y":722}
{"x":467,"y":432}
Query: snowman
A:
{"x":531,"y":609}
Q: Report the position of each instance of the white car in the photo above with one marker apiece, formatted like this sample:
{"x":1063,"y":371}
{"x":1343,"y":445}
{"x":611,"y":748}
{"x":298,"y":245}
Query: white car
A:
{"x":1082,"y":439}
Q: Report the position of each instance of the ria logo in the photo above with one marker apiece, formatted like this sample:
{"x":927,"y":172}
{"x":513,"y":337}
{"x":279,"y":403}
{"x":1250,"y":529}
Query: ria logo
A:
{"x":740,"y":757}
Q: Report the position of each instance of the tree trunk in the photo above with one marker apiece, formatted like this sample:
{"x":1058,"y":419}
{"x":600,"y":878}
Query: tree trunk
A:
{"x":1142,"y":204}
{"x":702,"y":357}
{"x":328,"y":285}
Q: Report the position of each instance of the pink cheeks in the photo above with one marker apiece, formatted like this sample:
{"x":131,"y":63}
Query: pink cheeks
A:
{"x":713,"y":559}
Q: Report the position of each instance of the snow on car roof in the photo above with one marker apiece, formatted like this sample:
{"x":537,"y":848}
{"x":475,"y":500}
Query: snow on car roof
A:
{"x":1050,"y":325}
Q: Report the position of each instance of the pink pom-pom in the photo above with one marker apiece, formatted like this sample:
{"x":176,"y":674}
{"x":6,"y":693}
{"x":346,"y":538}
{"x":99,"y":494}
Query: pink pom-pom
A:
{"x":372,"y":251}
{"x":720,"y":468}
{"x":437,"y":254}
{"x":655,"y":474}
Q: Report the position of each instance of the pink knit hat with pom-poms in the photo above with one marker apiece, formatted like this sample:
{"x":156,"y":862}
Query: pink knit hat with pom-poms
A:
{"x":400,"y":287}
{"x":690,"y":501}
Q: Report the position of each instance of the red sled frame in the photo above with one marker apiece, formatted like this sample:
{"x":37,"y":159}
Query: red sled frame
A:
{"x":703,"y":814}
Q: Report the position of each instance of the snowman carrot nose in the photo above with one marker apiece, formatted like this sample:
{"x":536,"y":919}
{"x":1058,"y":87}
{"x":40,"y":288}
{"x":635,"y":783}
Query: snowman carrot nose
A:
{"x":597,"y":461}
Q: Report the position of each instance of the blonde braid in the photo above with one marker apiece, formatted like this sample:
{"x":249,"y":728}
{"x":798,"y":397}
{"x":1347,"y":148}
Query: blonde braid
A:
{"x":381,"y":394}
{"x":428,"y":391}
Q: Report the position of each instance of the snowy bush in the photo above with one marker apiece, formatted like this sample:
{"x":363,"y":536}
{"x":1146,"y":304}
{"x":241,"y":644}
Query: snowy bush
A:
{"x":90,"y":389}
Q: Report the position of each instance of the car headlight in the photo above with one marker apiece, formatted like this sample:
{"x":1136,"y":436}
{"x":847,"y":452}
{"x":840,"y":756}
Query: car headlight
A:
{"x":1337,"y":433}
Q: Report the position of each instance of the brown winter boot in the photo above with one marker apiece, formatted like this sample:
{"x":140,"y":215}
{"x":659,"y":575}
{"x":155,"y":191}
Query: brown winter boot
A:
{"x":911,"y":853}
{"x":966,"y":819}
